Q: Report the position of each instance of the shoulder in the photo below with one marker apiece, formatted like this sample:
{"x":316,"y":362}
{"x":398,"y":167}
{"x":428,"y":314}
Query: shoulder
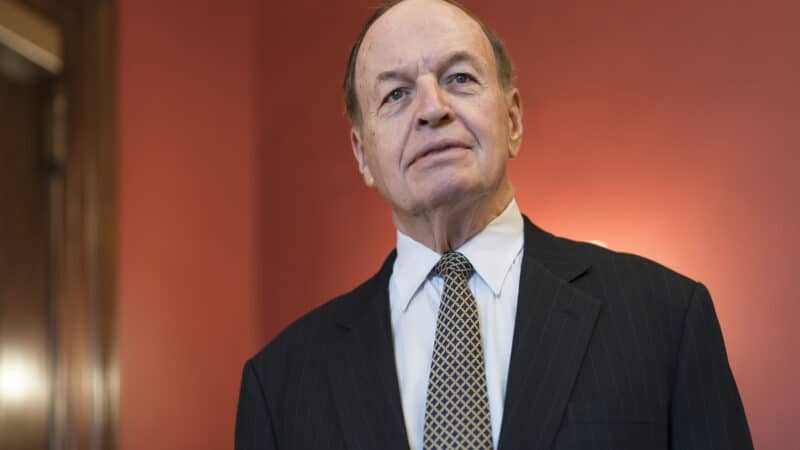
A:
{"x":611,"y":275}
{"x":629,"y":267}
{"x":310,"y":335}
{"x":643,"y":302}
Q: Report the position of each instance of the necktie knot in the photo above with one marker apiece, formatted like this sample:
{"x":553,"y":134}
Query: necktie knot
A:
{"x":453,"y":263}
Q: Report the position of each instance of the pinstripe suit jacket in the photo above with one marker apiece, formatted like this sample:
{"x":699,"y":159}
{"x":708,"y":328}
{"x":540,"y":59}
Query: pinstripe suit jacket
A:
{"x":610,"y":351}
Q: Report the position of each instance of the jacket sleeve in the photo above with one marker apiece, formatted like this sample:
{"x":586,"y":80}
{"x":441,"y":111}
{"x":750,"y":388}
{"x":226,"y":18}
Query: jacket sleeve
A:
{"x":254,"y":429}
{"x":706,"y":410}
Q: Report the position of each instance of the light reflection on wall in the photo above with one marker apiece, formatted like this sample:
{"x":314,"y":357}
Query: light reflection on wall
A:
{"x":20,"y":379}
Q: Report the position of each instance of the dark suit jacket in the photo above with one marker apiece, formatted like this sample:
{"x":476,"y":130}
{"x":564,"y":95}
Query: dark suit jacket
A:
{"x":610,"y":351}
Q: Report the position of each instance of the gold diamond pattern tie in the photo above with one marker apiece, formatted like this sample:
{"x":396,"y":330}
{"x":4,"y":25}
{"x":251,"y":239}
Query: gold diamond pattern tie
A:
{"x":457,"y":405}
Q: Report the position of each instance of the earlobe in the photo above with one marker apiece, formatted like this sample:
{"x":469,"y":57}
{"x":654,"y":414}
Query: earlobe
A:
{"x":361,"y":158}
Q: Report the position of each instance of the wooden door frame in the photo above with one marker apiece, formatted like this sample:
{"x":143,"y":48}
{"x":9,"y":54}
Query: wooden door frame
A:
{"x":83,"y":196}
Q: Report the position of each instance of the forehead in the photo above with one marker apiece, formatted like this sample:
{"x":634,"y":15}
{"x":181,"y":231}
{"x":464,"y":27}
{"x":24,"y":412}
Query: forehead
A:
{"x":419,"y":32}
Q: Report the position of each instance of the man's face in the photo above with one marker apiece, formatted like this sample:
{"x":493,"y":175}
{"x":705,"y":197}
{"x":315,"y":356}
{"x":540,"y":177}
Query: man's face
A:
{"x":437,"y":127}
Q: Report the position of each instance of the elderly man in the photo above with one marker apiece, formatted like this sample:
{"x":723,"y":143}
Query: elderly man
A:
{"x":481,"y":330}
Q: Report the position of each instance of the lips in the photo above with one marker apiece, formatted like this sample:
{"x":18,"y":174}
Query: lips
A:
{"x":438,"y":146}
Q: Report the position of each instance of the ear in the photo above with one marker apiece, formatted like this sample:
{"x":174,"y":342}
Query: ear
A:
{"x":361,"y":158}
{"x":514,"y":104}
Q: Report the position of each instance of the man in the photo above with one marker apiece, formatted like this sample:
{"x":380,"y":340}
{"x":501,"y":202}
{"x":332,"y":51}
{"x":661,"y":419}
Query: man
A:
{"x":481,"y":330}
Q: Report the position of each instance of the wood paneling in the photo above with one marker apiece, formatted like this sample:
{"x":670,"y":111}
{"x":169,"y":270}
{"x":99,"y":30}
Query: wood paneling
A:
{"x":25,"y":331}
{"x":78,"y":143}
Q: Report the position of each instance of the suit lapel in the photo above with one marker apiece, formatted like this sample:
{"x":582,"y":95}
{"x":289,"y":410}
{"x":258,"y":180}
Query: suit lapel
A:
{"x":362,"y":371}
{"x":554,"y":323}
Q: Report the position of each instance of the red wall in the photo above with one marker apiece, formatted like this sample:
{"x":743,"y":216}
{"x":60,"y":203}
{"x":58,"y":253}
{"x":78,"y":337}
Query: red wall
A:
{"x":667,"y":130}
{"x":188,"y":203}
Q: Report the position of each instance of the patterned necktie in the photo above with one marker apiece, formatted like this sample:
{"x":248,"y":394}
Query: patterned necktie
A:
{"x":457,"y":406}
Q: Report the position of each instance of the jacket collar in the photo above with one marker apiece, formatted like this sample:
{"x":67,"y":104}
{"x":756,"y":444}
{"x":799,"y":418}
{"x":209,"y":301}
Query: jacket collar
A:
{"x":556,"y":255}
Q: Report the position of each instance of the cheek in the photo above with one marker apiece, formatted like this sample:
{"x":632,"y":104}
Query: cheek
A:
{"x":500,"y":127}
{"x":389,"y":136}
{"x":486,"y":121}
{"x":381,"y":152}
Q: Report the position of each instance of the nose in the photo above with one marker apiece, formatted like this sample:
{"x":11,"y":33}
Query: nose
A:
{"x":433,"y":109}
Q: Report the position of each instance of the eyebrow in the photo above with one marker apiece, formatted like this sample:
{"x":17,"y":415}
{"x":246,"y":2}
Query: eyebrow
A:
{"x":452,"y":59}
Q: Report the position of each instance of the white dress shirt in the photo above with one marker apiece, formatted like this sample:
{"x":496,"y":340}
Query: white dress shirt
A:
{"x":414,"y":296}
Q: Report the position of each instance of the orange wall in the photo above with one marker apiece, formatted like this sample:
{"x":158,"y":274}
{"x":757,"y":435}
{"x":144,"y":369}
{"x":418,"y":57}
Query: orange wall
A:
{"x":665,"y":130}
{"x":188,"y":202}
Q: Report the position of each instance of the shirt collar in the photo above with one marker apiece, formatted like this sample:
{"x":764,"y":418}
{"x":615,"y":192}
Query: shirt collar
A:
{"x":491,"y":252}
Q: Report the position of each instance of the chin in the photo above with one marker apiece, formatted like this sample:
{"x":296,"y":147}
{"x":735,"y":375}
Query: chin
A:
{"x":454,"y":192}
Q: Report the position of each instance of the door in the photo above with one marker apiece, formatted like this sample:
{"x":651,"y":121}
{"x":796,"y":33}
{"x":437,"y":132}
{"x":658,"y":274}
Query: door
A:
{"x":57,"y":192}
{"x":26,"y":349}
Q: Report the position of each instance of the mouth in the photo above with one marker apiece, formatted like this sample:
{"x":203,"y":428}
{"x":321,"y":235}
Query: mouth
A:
{"x":437,"y":147}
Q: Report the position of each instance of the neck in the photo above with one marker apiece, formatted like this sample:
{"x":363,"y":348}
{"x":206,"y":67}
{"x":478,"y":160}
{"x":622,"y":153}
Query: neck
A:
{"x":447,"y":227}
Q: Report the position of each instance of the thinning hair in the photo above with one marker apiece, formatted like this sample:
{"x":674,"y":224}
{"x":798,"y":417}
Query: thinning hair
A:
{"x":505,"y":69}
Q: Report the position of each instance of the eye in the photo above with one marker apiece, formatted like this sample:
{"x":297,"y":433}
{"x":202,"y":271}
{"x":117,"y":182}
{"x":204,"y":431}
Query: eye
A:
{"x":394,"y":96}
{"x":462,"y":78}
